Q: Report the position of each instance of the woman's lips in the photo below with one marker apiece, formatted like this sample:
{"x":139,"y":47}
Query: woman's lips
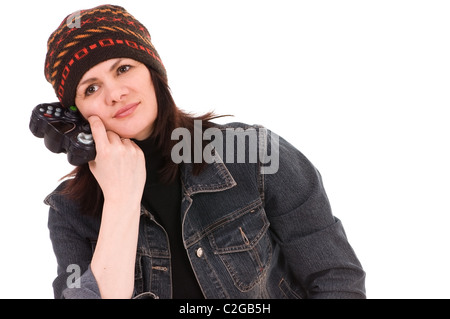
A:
{"x":126,"y":110}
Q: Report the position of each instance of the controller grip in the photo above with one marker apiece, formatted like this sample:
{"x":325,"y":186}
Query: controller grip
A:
{"x":63,"y":131}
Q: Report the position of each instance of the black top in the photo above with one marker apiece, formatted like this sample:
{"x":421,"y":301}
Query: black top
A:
{"x":163,"y":201}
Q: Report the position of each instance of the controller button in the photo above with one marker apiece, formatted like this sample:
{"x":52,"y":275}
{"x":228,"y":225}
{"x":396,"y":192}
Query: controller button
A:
{"x":42,"y":110}
{"x":57,"y":114}
{"x":50,"y":108}
{"x":47,"y":115}
{"x":85,"y":138}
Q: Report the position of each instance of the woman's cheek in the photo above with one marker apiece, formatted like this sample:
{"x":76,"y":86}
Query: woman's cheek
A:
{"x":86,"y":112}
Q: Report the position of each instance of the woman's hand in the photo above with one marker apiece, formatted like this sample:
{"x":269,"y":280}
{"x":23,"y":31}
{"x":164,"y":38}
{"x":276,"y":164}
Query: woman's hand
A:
{"x":119,"y":166}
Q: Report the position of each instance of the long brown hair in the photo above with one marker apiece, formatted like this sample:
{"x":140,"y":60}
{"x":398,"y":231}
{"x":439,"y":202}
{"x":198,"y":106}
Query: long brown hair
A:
{"x":81,"y":185}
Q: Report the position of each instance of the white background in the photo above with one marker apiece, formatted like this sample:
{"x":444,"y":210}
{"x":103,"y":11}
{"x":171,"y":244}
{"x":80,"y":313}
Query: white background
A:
{"x":360,"y":87}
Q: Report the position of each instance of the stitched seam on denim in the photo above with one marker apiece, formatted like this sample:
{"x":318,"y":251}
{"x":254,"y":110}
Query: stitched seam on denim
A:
{"x":241,"y":248}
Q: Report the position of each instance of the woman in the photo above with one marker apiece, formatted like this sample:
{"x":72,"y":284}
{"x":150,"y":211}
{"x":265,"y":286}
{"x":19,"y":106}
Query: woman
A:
{"x":161,"y":213}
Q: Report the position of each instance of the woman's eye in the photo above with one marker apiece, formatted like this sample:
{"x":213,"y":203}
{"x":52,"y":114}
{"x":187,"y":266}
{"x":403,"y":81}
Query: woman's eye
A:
{"x":91,"y":89}
{"x":123,"y":69}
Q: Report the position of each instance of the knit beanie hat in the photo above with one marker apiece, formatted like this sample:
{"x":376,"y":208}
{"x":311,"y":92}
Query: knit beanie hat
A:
{"x":88,"y":37}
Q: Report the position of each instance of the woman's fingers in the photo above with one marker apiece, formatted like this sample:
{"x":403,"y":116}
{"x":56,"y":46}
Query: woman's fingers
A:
{"x":98,"y":132}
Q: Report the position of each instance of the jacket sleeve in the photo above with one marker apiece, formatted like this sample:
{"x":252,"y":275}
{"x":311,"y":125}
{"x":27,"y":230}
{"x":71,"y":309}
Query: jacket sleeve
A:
{"x":313,"y":242}
{"x":73,"y":255}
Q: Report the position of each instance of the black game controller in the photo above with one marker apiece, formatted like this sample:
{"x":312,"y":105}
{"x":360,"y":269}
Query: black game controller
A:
{"x":64,"y":131}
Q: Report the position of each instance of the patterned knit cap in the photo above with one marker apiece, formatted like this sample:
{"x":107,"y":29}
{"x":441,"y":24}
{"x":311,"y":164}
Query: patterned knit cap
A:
{"x":88,"y":37}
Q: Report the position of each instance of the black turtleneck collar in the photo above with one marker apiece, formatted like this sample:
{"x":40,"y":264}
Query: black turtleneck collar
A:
{"x":153,"y":159}
{"x":148,"y":146}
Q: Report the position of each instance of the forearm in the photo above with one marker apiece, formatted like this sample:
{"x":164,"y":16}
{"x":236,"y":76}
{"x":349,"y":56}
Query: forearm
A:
{"x":114,"y":257}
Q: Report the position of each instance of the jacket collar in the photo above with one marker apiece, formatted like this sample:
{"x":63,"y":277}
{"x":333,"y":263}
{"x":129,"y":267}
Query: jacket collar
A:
{"x":215,"y":177}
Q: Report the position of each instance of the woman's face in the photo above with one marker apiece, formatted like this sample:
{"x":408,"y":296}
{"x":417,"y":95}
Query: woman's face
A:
{"x":119,"y":91}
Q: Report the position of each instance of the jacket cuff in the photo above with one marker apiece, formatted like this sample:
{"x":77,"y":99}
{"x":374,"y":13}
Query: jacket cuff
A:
{"x":85,"y":287}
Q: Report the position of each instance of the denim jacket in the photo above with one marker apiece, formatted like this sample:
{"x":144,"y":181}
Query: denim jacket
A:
{"x":248,"y":233}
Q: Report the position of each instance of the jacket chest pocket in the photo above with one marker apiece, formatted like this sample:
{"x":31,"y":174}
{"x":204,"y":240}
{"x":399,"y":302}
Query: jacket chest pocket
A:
{"x":243,"y":245}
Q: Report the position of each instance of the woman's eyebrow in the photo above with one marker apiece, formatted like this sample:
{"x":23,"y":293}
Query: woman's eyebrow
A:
{"x":115,"y":65}
{"x":112,"y":68}
{"x":86,"y":81}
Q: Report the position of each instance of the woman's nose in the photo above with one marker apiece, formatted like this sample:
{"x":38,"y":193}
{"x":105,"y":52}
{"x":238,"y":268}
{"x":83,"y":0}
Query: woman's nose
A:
{"x":115,"y":92}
